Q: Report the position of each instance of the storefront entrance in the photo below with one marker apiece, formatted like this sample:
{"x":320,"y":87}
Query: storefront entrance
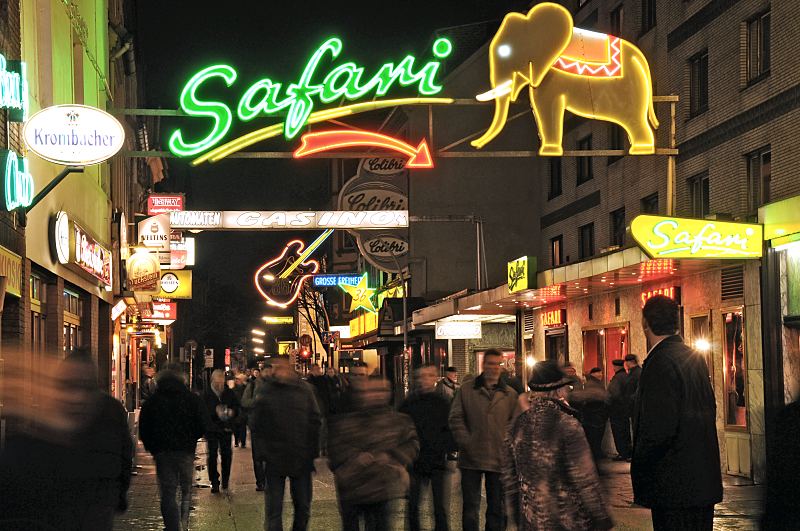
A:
{"x":555,"y":344}
{"x":602,"y":346}
{"x":734,"y":357}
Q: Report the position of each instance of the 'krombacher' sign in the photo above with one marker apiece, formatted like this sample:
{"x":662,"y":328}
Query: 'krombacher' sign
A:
{"x":666,"y":237}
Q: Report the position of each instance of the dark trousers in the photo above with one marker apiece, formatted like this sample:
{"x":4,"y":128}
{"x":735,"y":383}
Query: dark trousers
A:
{"x":174,"y":470}
{"x":594,"y":436}
{"x":259,"y":469}
{"x":439,"y":481}
{"x":240,"y":434}
{"x":685,"y":519}
{"x":376,"y":516}
{"x":300,"y":489}
{"x":219,"y":442}
{"x":621,"y":429}
{"x":471,"y":493}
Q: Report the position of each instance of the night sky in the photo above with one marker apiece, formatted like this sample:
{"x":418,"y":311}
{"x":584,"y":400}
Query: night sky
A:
{"x":175,"y":39}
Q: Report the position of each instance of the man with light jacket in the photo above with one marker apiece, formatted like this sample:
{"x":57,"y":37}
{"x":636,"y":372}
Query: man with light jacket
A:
{"x":480,"y":414}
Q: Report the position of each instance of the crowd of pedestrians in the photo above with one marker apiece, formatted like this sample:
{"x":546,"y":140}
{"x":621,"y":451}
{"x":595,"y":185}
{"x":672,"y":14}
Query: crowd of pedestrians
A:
{"x":533,"y":452}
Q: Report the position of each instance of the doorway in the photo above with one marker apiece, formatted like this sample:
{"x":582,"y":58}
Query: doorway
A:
{"x":602,"y":346}
{"x":555,"y":344}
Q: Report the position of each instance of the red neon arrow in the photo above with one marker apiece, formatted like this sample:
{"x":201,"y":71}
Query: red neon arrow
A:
{"x":345,"y":138}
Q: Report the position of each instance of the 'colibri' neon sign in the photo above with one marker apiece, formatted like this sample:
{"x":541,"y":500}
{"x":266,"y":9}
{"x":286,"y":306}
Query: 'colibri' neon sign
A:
{"x":267,"y":98}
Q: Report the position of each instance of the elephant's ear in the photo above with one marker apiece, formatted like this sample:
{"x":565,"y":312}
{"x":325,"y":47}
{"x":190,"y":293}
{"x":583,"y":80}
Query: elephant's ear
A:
{"x":549,"y":26}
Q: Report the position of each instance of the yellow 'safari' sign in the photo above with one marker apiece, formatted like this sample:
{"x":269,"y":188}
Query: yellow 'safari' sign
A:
{"x":666,"y":237}
{"x":518,"y":275}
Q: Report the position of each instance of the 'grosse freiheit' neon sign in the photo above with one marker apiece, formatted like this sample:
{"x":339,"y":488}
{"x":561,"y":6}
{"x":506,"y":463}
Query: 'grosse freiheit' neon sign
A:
{"x":297,"y":100}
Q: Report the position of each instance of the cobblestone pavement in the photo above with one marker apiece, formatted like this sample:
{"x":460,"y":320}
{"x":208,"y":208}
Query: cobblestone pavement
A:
{"x":242,"y":508}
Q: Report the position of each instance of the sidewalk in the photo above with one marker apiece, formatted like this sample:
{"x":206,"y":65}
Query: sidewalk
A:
{"x":242,"y":508}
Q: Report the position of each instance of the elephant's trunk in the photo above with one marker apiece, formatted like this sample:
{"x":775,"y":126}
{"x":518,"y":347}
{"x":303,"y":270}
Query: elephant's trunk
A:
{"x":501,"y":105}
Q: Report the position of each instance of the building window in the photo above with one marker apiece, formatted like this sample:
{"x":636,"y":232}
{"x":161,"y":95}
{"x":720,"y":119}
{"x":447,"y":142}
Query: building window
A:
{"x":345,"y":243}
{"x":759,"y":176}
{"x":37,"y":289}
{"x":616,"y":19}
{"x":698,"y":192}
{"x":586,"y":241}
{"x":73,"y":303}
{"x":616,"y":137}
{"x":698,"y":84}
{"x":650,"y":204}
{"x":555,"y":177}
{"x":758,"y":60}
{"x":648,"y":15}
{"x":557,"y":251}
{"x":585,"y":163}
{"x":618,"y":227}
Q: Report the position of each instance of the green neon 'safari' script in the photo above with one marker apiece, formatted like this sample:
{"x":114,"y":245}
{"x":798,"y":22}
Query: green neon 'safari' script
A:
{"x":266,"y":97}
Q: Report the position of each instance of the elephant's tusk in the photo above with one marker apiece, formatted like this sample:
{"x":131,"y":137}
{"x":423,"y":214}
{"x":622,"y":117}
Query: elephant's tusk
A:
{"x":500,"y":90}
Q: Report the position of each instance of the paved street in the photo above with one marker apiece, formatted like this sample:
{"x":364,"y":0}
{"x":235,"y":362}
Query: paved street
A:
{"x":242,"y":508}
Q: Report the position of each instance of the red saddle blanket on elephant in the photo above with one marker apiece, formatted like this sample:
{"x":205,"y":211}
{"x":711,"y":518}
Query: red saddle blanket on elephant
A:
{"x":591,"y":54}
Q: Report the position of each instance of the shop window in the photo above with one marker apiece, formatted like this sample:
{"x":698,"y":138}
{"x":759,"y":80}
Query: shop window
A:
{"x":698,"y":192}
{"x":649,"y":204}
{"x":37,"y":289}
{"x":586,"y":241}
{"x":556,"y":346}
{"x":758,"y":44}
{"x":555,"y":177}
{"x":698,"y":84}
{"x":759,"y":177}
{"x":557,"y":251}
{"x":585,"y":172}
{"x":648,"y":15}
{"x":618,"y":227}
{"x":616,"y":140}
{"x":735,"y":370}
{"x":616,"y":20}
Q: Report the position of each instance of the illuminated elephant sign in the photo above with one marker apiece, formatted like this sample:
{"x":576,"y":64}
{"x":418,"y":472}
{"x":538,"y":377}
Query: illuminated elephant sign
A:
{"x":590,"y":74}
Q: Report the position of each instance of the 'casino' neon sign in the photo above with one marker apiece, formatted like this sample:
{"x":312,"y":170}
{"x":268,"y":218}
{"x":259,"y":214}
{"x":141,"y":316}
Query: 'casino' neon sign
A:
{"x":297,"y":100}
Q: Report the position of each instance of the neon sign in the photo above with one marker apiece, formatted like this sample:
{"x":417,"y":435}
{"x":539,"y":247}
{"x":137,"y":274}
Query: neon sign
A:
{"x":288,"y":219}
{"x":420,"y":157}
{"x":266,"y":97}
{"x":91,"y":256}
{"x":553,"y":318}
{"x":670,"y":292}
{"x":696,"y":238}
{"x":274,"y":280}
{"x":589,"y":74}
{"x":326,"y":281}
{"x":17,"y":180}
{"x":14,"y":89}
{"x":361,"y":295}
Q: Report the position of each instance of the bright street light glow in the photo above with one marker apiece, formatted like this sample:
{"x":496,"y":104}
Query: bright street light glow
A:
{"x":278,"y":319}
{"x":702,"y":345}
{"x":258,"y":350}
{"x":529,"y":361}
{"x":258,"y":332}
{"x":257,"y":340}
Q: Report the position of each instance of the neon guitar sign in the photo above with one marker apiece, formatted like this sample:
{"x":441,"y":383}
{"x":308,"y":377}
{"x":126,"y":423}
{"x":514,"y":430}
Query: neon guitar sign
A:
{"x":275,"y":280}
{"x":297,"y":100}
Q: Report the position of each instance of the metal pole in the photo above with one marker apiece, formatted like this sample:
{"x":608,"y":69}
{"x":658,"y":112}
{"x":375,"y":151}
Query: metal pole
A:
{"x":671,"y":164}
{"x":52,"y":184}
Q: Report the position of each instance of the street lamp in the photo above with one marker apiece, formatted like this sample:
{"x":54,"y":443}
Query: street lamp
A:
{"x":257,"y":340}
{"x":258,"y":350}
{"x":258,"y":332}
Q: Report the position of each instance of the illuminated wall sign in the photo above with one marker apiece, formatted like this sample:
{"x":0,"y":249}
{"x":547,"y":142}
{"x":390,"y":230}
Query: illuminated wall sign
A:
{"x":286,"y":220}
{"x":73,"y":135}
{"x":182,"y":254}
{"x":154,"y":233}
{"x":176,"y":284}
{"x":14,"y":89}
{"x":73,"y":246}
{"x":144,"y":272}
{"x":672,"y":292}
{"x":164,"y":203}
{"x":279,"y":319}
{"x":280,"y":280}
{"x":361,"y":295}
{"x":696,"y":238}
{"x":325,"y":281}
{"x":118,"y":309}
{"x":164,"y":311}
{"x":297,"y":100}
{"x":11,"y":268}
{"x":319,"y":142}
{"x":17,"y":179}
{"x":590,"y":74}
{"x":458,"y":330}
{"x":518,"y":274}
{"x":554,"y":318}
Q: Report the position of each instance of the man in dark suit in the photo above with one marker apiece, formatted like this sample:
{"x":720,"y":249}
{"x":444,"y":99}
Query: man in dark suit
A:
{"x":676,"y":465}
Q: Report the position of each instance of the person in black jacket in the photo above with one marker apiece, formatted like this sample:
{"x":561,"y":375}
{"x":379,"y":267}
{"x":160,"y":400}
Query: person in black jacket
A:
{"x":223,"y":407}
{"x":676,"y":465}
{"x":430,"y":410}
{"x":285,"y":422}
{"x":619,"y":411}
{"x":169,"y":425}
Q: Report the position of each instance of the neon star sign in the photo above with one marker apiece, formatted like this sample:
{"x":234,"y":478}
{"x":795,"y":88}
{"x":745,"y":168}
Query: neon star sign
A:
{"x":297,"y":100}
{"x":361,"y":295}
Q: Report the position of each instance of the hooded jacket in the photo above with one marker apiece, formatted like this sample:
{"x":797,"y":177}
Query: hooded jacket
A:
{"x":479,"y":419}
{"x":173,"y":419}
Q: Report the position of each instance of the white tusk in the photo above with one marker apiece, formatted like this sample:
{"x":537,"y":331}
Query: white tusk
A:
{"x":499,"y":90}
